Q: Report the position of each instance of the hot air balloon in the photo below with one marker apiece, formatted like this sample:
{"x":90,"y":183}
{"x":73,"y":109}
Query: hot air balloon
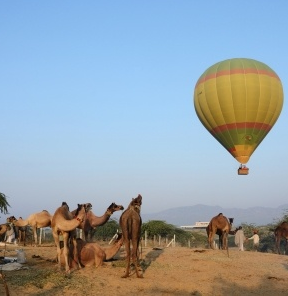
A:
{"x":238,"y":101}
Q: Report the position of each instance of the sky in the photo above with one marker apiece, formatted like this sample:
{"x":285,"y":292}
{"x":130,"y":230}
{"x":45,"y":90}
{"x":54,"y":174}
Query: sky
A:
{"x":97,"y":103}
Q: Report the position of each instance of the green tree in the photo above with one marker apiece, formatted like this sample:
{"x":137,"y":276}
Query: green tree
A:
{"x":3,"y":203}
{"x":158,"y":227}
{"x":106,"y":231}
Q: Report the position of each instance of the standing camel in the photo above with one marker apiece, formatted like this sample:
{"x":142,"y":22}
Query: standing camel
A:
{"x":220,"y":225}
{"x":91,"y":221}
{"x":220,"y":233}
{"x":280,"y":232}
{"x":3,"y":229}
{"x":63,"y":223}
{"x":20,"y":232}
{"x":37,"y":220}
{"x":130,"y":223}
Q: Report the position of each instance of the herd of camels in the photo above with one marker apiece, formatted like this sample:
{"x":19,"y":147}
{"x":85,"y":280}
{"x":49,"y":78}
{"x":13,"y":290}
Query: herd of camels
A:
{"x":79,"y":253}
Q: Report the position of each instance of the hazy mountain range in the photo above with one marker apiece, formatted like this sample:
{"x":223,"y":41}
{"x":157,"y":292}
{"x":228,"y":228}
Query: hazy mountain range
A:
{"x":189,"y":215}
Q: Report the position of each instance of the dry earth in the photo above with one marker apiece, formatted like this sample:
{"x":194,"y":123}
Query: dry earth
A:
{"x":168,"y":271}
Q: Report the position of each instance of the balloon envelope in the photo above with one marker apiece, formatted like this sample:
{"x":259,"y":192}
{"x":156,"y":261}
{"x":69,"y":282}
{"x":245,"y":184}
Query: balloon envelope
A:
{"x":238,"y":101}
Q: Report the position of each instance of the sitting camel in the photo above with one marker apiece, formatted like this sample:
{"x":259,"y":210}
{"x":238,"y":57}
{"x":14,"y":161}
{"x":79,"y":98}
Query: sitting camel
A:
{"x":220,"y":225}
{"x":91,"y":221}
{"x":37,"y":220}
{"x":92,"y":254}
{"x":64,"y":223}
{"x":280,"y":232}
{"x":130,"y":222}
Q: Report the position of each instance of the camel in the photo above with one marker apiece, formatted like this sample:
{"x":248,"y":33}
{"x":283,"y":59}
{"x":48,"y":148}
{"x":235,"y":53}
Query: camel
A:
{"x":36,"y":220}
{"x":220,"y":233}
{"x":280,"y":232}
{"x":93,"y":221}
{"x":92,"y":254}
{"x":3,"y":229}
{"x":20,"y":232}
{"x":64,"y":223}
{"x":220,"y":225}
{"x":130,"y":223}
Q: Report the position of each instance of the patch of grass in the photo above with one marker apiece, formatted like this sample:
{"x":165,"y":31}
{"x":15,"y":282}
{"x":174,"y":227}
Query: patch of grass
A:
{"x":41,"y":277}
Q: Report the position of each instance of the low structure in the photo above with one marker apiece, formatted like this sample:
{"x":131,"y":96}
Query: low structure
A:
{"x":197,"y":225}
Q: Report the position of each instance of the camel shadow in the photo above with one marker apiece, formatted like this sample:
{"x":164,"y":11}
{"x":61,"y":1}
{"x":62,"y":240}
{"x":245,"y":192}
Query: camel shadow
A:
{"x":150,"y":257}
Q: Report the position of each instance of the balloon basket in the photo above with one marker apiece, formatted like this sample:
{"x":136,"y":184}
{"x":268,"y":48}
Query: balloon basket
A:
{"x":243,"y":171}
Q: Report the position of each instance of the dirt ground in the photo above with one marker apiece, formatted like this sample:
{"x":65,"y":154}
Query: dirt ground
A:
{"x":167,"y":271}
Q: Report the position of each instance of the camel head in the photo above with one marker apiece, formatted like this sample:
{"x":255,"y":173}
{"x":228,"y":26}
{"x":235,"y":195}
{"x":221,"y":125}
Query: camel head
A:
{"x":11,"y":219}
{"x":119,"y":239}
{"x":80,"y":212}
{"x":136,"y":203}
{"x":114,"y":208}
{"x":64,"y":204}
{"x":88,"y":207}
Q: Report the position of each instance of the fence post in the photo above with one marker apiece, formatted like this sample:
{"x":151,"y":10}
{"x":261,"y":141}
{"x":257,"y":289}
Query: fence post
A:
{"x":40,"y":236}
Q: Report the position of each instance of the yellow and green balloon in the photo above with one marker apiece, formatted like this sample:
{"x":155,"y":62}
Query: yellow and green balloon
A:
{"x":238,"y":101}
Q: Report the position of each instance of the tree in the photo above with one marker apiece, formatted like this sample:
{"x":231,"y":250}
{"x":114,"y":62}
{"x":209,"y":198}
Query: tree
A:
{"x":3,"y":203}
{"x":158,"y":227}
{"x":106,"y":231}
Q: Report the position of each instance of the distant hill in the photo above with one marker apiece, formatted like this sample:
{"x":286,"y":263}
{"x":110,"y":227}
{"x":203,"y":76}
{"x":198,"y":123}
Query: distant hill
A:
{"x":189,"y":215}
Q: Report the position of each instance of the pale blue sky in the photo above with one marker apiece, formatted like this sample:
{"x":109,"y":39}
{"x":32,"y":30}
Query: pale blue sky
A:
{"x":97,"y":103}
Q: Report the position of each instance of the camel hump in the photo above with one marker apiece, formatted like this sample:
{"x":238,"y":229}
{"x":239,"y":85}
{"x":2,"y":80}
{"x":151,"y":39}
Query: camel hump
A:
{"x":220,"y":214}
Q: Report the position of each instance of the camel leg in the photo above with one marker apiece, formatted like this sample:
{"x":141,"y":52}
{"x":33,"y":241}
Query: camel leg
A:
{"x":127,"y":248}
{"x":277,"y":245}
{"x":135,"y":245}
{"x":75,"y":252}
{"x":57,"y":242}
{"x":224,"y":240}
{"x":210,"y":239}
{"x":23,"y":237}
{"x":35,"y":235}
{"x":220,"y":241}
{"x":65,"y":251}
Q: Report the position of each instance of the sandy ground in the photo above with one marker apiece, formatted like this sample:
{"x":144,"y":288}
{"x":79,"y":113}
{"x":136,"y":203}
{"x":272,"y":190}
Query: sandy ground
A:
{"x":168,"y":271}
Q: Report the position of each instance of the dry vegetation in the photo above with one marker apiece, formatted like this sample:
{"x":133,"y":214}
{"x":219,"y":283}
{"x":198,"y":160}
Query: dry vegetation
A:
{"x":167,"y":271}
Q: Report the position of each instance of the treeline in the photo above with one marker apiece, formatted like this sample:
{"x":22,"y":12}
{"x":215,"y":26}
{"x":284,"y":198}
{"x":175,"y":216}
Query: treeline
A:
{"x":156,"y":228}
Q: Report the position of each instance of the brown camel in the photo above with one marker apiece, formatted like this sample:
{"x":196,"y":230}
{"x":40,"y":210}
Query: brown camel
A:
{"x":3,"y":229}
{"x":220,"y":225}
{"x":220,"y":233}
{"x":93,"y":221}
{"x":130,"y":223}
{"x":20,"y":232}
{"x":36,"y":220}
{"x":92,"y":254}
{"x":280,"y":232}
{"x":64,"y":223}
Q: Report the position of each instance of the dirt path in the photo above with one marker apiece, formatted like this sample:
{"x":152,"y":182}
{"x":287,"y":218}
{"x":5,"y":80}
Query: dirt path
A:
{"x":170,"y":271}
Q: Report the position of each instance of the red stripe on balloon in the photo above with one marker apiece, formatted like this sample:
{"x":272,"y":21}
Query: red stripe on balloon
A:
{"x":237,"y":71}
{"x":241,"y":125}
